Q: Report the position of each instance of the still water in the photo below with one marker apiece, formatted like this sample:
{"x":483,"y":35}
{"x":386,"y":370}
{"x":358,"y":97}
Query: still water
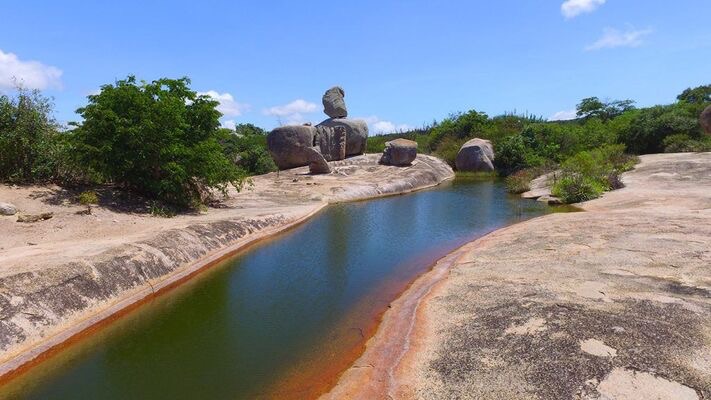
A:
{"x":284,"y":318}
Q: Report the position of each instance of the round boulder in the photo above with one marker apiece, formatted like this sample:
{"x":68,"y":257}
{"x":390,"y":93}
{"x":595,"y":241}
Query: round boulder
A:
{"x":476,"y":155}
{"x":399,"y":152}
{"x":356,"y":133}
{"x":706,"y":120}
{"x":317,"y":163}
{"x":288,"y":145}
{"x":333,"y":103}
{"x":7,"y":209}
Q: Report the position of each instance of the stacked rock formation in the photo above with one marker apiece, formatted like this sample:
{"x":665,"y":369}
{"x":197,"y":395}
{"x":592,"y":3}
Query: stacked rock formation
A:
{"x":476,"y":155}
{"x":399,"y":152}
{"x":706,"y":120}
{"x":333,"y":139}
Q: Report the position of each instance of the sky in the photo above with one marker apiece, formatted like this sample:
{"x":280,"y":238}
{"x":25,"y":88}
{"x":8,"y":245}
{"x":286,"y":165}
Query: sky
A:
{"x":402,"y":64}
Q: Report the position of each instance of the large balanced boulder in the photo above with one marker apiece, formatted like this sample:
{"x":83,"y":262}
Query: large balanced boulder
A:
{"x":706,"y":120}
{"x":476,"y":155}
{"x":356,"y":133}
{"x":331,"y":142}
{"x":334,"y":104}
{"x":317,"y":164}
{"x":288,"y":145}
{"x":399,"y":152}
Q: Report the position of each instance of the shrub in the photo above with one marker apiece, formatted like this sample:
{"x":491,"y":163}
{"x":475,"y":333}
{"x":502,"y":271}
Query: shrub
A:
{"x":448,"y":149}
{"x":577,"y":188}
{"x":683,"y":143}
{"x":519,"y":181}
{"x":158,"y":138}
{"x":651,"y":126}
{"x":246,"y":146}
{"x":88,"y":197}
{"x":30,"y":141}
{"x":511,"y":155}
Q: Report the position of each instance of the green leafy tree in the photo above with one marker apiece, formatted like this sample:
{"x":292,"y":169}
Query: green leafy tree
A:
{"x":651,"y":126}
{"x":699,"y":94}
{"x":246,"y":146}
{"x":592,"y":107}
{"x":158,"y":138}
{"x":30,"y":141}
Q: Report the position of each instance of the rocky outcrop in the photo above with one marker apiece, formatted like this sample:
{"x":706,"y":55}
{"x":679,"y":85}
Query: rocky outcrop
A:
{"x":706,"y":120}
{"x":7,"y":209}
{"x":331,"y":142}
{"x":333,"y":103}
{"x":288,"y":145}
{"x":356,"y":133}
{"x":399,"y":152}
{"x":317,"y":163}
{"x":476,"y":155}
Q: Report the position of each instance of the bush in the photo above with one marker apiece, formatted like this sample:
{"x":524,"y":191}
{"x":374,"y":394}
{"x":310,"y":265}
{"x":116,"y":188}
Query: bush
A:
{"x":519,"y":181}
{"x":246,"y":146}
{"x":448,"y":149}
{"x":684,"y":144}
{"x":577,"y":188}
{"x":158,"y":138}
{"x":651,"y":126}
{"x":511,"y":155}
{"x":88,"y":197}
{"x":31,"y":145}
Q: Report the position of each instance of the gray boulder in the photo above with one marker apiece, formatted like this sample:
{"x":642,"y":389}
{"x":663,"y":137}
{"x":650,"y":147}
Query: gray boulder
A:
{"x":289,"y":145}
{"x":356,"y":133}
{"x":706,"y":120}
{"x":7,"y":209}
{"x":399,"y":152}
{"x":333,"y":103}
{"x":476,"y":155}
{"x":317,"y":163}
{"x":331,"y":142}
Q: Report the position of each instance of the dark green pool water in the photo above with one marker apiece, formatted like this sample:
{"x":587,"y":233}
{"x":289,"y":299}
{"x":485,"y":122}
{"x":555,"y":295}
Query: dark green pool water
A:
{"x":283,"y":318}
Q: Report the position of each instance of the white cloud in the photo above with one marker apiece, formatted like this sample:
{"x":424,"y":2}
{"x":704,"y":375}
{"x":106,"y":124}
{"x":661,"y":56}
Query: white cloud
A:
{"x":229,"y":124}
{"x":377,"y":126}
{"x":28,"y":74}
{"x":563,"y":116}
{"x":573,"y":8}
{"x":612,"y":38}
{"x":292,"y":113}
{"x":228,"y":106}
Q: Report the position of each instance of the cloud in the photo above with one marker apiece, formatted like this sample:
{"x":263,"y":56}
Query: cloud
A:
{"x":573,"y":8}
{"x":563,"y":116}
{"x":292,"y":113}
{"x":228,"y":106}
{"x":378,"y":126}
{"x":28,"y":74}
{"x":229,"y":124}
{"x":612,"y":38}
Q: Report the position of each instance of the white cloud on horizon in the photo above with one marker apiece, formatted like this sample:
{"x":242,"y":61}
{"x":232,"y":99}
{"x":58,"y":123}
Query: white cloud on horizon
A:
{"x":228,"y":106}
{"x":291,"y":113}
{"x":613,"y":38}
{"x":573,"y":8}
{"x":563,"y":116}
{"x":229,"y":124}
{"x":28,"y":74}
{"x":377,"y":126}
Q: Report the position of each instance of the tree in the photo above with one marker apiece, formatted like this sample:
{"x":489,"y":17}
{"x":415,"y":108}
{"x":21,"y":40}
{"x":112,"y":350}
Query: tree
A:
{"x":29,"y":137}
{"x":592,"y":107}
{"x":246,"y":146}
{"x":699,"y":94}
{"x":158,"y":138}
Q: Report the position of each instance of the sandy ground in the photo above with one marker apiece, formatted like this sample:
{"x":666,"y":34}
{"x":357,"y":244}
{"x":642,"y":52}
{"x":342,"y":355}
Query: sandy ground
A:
{"x":610,"y":303}
{"x":61,"y":276}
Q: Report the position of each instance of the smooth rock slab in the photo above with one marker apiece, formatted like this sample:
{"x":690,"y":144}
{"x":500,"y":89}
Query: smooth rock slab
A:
{"x":625,"y":384}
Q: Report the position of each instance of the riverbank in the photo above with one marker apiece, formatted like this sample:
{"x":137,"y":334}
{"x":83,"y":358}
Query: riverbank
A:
{"x":62,"y":276}
{"x":614,"y":302}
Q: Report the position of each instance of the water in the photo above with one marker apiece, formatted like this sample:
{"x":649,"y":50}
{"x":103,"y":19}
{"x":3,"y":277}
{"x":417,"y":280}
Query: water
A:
{"x":283,"y":319}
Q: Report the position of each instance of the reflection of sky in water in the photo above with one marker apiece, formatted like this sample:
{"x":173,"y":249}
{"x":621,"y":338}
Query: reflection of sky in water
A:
{"x":234,"y":332}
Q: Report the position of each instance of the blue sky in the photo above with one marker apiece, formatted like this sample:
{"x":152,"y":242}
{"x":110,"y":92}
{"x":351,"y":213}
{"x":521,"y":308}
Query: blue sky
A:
{"x":401,"y":63}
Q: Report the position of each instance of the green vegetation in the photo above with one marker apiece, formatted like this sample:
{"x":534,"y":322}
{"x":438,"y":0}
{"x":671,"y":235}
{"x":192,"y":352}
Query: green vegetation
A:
{"x":88,"y":197}
{"x":246,"y":146}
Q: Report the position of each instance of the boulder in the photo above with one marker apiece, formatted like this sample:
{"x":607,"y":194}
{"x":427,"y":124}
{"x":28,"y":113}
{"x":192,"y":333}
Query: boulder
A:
{"x":317,"y":163}
{"x":706,"y":120}
{"x":331,"y":142}
{"x":35,"y":217}
{"x":333,"y":103}
{"x":7,"y":209}
{"x":476,"y":155}
{"x":399,"y":152}
{"x":356,"y":133}
{"x":288,"y":145}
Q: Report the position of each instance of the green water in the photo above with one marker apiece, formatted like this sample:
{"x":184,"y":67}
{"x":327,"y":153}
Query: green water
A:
{"x":290,"y":310}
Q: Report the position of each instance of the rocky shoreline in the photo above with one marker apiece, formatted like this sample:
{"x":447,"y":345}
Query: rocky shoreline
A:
{"x":53,"y":291}
{"x":614,"y":302}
